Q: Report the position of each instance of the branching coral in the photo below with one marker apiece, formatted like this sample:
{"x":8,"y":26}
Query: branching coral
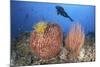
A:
{"x":46,"y":44}
{"x":75,"y":40}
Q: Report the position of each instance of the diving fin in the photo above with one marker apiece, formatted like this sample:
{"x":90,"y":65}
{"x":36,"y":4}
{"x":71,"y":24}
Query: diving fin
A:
{"x":71,"y":19}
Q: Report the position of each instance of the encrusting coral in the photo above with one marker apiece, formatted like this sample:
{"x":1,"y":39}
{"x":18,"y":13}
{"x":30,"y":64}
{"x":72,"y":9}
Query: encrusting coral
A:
{"x":46,"y":40}
{"x":75,"y":40}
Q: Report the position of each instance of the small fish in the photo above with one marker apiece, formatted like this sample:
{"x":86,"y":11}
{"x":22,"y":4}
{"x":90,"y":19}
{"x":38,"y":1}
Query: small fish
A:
{"x":90,"y":34}
{"x":61,"y":11}
{"x":26,"y":16}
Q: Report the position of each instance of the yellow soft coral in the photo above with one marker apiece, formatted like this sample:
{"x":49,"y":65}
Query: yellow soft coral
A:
{"x":40,"y":27}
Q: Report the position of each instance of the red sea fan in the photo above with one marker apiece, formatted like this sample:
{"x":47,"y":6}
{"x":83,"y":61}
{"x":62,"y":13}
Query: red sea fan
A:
{"x":47,"y":45}
{"x":75,"y":40}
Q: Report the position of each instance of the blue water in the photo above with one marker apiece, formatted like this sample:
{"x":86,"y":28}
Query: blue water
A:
{"x":26,"y":14}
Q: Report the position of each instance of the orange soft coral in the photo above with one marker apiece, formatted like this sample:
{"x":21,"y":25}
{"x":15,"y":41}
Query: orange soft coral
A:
{"x":75,"y":40}
{"x":47,"y":45}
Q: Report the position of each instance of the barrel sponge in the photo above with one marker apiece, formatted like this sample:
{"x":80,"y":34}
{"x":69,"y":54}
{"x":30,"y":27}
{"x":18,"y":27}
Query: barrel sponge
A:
{"x":46,"y":42}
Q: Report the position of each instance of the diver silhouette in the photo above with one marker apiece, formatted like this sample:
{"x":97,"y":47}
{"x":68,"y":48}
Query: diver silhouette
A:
{"x":61,"y":11}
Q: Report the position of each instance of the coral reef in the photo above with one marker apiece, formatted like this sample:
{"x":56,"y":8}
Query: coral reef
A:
{"x":44,"y":46}
{"x":75,"y":40}
{"x":46,"y":40}
{"x":21,"y":54}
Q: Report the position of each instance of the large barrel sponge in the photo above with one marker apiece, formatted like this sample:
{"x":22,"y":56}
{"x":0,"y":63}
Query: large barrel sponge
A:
{"x":46,"y":42}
